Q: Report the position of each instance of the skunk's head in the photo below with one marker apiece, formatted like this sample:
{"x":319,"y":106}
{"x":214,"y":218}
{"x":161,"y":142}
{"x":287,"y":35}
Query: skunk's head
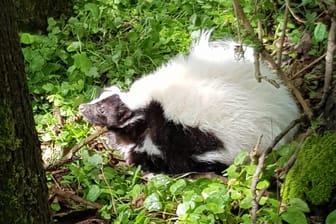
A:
{"x":108,"y":110}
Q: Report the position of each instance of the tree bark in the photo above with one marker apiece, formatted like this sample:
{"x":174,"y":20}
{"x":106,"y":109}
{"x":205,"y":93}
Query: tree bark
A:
{"x":32,"y":15}
{"x":23,"y":189}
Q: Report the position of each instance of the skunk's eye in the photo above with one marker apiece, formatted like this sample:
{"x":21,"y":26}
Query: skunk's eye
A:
{"x":101,"y":109}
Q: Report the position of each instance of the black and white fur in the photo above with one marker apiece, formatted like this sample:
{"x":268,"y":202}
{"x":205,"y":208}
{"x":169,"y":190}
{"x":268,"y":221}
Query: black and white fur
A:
{"x":196,"y":112}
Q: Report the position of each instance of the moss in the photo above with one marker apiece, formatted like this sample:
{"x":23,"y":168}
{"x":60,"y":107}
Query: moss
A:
{"x":8,"y":139}
{"x":312,"y":177}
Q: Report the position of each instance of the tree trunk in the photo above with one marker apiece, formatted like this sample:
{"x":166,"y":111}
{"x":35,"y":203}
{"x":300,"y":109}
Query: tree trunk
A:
{"x":23,"y":189}
{"x":32,"y":15}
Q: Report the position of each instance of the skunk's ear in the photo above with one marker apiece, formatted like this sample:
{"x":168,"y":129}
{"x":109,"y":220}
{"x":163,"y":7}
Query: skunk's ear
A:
{"x":119,"y":113}
{"x":124,"y":114}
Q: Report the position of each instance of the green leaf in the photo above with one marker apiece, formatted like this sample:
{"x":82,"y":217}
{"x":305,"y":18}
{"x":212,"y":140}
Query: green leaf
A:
{"x":93,"y":72}
{"x":240,"y":158}
{"x":294,"y":216}
{"x":95,"y":160}
{"x":246,"y":203}
{"x":215,"y":207}
{"x":331,"y":218}
{"x":263,"y":184}
{"x":160,"y":181}
{"x":153,"y":202}
{"x":232,"y":172}
{"x":109,"y":173}
{"x":320,"y":32}
{"x":178,"y":186}
{"x":299,"y":204}
{"x":235,"y":195}
{"x":94,"y":192}
{"x":27,"y":38}
{"x":37,"y":62}
{"x":48,"y":87}
{"x":82,"y":62}
{"x":93,"y":8}
{"x":213,"y":190}
{"x":55,"y":206}
{"x":182,"y":209}
{"x":74,"y":46}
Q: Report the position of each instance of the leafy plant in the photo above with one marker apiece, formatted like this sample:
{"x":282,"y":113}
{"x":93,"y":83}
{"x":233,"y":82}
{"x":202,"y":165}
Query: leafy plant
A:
{"x":114,"y":42}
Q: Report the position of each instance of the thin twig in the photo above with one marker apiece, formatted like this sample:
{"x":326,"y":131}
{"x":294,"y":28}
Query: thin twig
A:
{"x":282,"y":37}
{"x":307,"y":110}
{"x":329,"y":61}
{"x":261,"y":160}
{"x":283,"y":133}
{"x":255,"y":179}
{"x":255,"y":151}
{"x":242,"y":16}
{"x":269,"y":58}
{"x":257,"y":72}
{"x":73,"y":150}
{"x":110,"y":192}
{"x":308,"y":66}
{"x":293,"y":13}
{"x":74,"y":197}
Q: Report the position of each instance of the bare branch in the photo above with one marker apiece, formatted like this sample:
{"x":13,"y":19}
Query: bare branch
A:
{"x":269,"y":58}
{"x":297,"y":18}
{"x":329,"y":61}
{"x":73,"y":150}
{"x":261,"y":160}
{"x":308,"y":66}
{"x":74,"y":197}
{"x":282,"y":37}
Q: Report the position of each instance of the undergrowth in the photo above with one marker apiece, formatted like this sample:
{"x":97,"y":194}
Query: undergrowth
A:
{"x":112,"y":43}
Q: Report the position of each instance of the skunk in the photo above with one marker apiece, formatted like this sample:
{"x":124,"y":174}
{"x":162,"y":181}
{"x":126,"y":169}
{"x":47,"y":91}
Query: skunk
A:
{"x":196,"y":112}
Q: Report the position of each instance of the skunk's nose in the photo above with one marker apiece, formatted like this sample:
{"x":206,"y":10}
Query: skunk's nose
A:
{"x":81,"y":107}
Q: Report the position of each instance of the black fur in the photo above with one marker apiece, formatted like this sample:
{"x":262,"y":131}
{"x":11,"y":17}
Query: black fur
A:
{"x":178,"y":144}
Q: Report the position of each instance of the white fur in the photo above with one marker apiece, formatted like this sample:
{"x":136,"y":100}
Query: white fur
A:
{"x":213,"y":91}
{"x":106,"y":93}
{"x":149,"y":147}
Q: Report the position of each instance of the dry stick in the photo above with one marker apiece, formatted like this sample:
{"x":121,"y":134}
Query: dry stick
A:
{"x":292,"y":12}
{"x":240,"y":14}
{"x":329,"y":61}
{"x":307,"y":110}
{"x":255,"y":179}
{"x":255,"y":151}
{"x":282,"y":37}
{"x":269,"y":58}
{"x":73,"y":150}
{"x":308,"y":66}
{"x":74,"y":197}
